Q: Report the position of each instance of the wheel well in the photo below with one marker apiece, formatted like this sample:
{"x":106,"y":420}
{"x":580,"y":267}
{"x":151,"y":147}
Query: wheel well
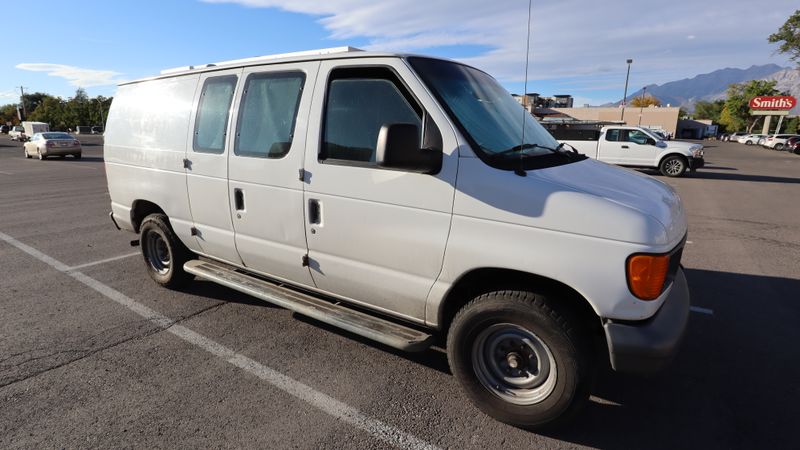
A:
{"x":481,"y":281}
{"x":142,"y":209}
{"x":685,"y":159}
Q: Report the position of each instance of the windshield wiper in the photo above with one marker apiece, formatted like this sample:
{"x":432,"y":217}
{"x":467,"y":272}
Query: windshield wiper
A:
{"x":522,"y":147}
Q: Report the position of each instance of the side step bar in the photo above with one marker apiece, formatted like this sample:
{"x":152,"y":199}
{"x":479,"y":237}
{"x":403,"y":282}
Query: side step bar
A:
{"x":371,"y":327}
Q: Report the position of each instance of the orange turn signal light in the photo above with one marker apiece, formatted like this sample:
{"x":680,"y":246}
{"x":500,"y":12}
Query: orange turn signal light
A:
{"x":646,"y":275}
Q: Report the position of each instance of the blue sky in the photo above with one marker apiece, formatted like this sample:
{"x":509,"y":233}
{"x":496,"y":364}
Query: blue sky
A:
{"x":578,"y":47}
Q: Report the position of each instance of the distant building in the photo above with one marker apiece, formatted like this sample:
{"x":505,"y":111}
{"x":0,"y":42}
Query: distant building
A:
{"x":533,"y":100}
{"x":658,"y":118}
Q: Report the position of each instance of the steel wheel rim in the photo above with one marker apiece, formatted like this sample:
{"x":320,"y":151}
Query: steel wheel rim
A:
{"x":157,"y":253}
{"x":514,"y":364}
{"x":673,"y":167}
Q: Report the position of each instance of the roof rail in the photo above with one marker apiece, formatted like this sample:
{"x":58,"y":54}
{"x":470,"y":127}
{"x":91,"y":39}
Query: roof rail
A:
{"x":322,"y":51}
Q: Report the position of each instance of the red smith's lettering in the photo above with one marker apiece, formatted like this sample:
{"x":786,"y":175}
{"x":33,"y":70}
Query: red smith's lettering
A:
{"x":782,"y":103}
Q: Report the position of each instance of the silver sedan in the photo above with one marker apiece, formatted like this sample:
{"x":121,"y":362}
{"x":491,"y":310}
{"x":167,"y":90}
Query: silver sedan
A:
{"x":52,"y":144}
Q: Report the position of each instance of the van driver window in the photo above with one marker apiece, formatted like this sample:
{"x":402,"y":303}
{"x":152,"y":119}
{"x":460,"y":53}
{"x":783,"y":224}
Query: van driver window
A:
{"x":356,"y":109}
{"x":211,"y":123}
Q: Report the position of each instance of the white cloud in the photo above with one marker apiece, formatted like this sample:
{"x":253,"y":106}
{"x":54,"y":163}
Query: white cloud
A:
{"x":571,"y":38}
{"x":76,"y":76}
{"x":10,"y":94}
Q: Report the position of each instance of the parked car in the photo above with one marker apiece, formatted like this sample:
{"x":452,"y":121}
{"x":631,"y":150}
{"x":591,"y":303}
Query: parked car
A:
{"x":17,"y":133}
{"x":633,"y":147}
{"x":778,"y":141}
{"x":418,"y":210}
{"x":792,"y":144}
{"x":54,"y":143}
{"x":750,"y":139}
{"x":735,"y":136}
{"x":4,"y":129}
{"x":97,"y":130}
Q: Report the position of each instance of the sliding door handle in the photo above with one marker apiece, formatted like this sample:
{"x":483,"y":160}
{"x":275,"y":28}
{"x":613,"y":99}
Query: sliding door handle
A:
{"x":238,"y":199}
{"x":314,"y":212}
{"x":624,"y":146}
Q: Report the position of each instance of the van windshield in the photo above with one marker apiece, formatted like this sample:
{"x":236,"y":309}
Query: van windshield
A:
{"x":488,"y":115}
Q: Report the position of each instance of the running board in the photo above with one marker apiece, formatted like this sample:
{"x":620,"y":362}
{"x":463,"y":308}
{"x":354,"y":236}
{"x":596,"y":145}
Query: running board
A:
{"x":381,"y":330}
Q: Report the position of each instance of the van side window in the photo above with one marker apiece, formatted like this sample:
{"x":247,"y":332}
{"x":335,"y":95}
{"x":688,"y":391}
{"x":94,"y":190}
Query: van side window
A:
{"x":267,"y":115}
{"x":211,"y":123}
{"x":359,"y":102}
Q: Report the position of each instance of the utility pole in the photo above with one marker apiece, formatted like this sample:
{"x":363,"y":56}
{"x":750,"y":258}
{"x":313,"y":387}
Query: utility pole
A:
{"x":641,"y":106}
{"x":22,"y":101}
{"x":625,"y":95}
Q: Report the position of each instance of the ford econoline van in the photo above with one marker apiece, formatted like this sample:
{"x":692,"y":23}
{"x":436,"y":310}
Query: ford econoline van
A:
{"x":410,"y":200}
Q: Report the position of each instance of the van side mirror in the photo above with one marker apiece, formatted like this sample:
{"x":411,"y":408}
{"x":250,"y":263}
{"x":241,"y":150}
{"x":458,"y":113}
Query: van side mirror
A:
{"x":398,"y":148}
{"x":651,"y":141}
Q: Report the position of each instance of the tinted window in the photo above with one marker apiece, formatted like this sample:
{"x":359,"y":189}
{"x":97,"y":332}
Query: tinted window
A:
{"x":356,"y":109}
{"x":612,"y":135}
{"x":267,"y":114}
{"x":211,"y":124}
{"x":56,"y":136}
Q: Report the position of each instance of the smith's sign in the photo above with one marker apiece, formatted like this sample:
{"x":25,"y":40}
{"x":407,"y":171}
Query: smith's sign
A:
{"x":773,"y":103}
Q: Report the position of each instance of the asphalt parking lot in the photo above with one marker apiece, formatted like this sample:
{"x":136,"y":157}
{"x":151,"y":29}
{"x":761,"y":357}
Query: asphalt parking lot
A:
{"x":79,"y":368}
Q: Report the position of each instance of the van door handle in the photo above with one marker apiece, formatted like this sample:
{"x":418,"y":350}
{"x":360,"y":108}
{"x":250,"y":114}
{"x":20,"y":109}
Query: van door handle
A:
{"x":238,"y":199}
{"x":314,"y":212}
{"x":624,"y":146}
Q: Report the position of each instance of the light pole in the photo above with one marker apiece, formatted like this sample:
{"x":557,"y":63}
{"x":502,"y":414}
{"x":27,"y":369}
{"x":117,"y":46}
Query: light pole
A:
{"x":641,"y":105}
{"x":625,"y":95}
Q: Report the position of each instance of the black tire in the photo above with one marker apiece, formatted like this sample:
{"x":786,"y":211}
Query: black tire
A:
{"x":77,"y":156}
{"x":568,"y":382}
{"x":778,"y":147}
{"x":673,"y":166}
{"x":748,"y":143}
{"x":27,"y":156}
{"x":164,"y":254}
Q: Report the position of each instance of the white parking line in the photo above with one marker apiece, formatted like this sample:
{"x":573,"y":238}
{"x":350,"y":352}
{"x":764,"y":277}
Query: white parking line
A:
{"x":6,"y":173}
{"x":700,"y":310}
{"x":94,"y":263}
{"x":319,"y":400}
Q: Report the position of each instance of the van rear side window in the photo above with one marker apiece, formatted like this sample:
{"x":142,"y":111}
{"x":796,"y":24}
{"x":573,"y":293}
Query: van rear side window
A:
{"x":211,"y":123}
{"x":267,"y":115}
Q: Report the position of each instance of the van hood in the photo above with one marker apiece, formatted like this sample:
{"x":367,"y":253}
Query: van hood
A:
{"x":588,"y":198}
{"x":627,"y":188}
{"x":681,"y":145}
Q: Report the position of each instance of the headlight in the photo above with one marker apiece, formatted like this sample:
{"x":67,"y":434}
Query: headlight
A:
{"x":698,"y":153}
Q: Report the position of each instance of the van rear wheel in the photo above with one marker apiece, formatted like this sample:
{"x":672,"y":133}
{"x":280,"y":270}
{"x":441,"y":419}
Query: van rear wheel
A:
{"x":519,"y":359}
{"x":164,"y":254}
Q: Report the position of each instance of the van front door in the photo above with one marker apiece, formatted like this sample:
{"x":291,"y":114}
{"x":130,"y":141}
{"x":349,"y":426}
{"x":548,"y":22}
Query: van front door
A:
{"x":206,"y":165}
{"x":375,"y":236}
{"x":266,"y":190}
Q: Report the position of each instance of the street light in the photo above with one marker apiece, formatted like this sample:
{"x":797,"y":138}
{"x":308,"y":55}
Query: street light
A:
{"x":625,"y":95}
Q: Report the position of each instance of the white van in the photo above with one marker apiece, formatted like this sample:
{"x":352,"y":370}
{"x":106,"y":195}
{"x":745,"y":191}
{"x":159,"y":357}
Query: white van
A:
{"x":396,"y":197}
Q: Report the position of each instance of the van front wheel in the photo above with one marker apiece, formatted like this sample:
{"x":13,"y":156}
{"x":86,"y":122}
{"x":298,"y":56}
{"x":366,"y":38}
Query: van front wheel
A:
{"x":164,"y":254}
{"x":519,"y":359}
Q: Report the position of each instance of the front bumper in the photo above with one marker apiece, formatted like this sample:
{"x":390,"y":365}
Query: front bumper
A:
{"x":648,"y":346}
{"x":696,"y":163}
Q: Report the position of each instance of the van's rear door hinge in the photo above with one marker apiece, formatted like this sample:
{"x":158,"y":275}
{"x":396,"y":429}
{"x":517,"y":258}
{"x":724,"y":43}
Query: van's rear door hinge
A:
{"x":302,"y":175}
{"x":305,"y":260}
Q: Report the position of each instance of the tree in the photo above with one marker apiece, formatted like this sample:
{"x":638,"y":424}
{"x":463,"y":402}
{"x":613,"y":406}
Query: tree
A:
{"x":789,"y":35}
{"x":735,"y":114}
{"x":645,"y":101}
{"x":708,"y":110}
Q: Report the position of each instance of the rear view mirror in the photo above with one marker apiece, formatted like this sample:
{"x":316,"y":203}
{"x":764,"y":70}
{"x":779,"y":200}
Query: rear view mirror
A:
{"x":398,"y":148}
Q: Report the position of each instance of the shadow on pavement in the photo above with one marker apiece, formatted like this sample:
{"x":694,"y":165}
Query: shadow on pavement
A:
{"x":703,"y":174}
{"x":733,"y":384}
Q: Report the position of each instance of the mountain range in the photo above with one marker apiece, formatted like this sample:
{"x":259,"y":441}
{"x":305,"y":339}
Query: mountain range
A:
{"x":712,"y":86}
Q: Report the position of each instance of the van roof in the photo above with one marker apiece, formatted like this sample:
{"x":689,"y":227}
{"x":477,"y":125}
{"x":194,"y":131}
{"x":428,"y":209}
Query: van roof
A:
{"x":308,"y":55}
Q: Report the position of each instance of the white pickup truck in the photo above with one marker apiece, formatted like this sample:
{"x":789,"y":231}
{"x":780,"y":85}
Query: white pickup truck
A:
{"x":634,"y":147}
{"x":24,"y":131}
